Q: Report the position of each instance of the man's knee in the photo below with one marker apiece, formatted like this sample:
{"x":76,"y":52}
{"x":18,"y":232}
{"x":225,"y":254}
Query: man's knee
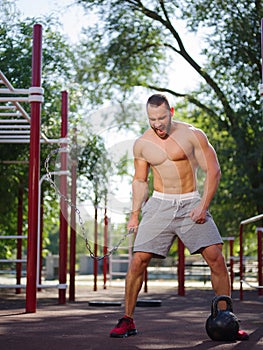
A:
{"x":140,"y":261}
{"x":214,"y":257}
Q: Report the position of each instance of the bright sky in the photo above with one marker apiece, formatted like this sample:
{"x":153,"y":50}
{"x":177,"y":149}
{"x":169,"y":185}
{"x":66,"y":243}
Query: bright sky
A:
{"x":73,"y":18}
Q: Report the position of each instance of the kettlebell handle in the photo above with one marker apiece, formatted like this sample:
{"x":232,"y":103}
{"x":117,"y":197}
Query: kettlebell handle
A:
{"x":214,"y":305}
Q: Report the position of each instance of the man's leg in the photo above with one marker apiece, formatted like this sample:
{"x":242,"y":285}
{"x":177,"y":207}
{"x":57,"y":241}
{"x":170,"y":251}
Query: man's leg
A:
{"x":219,"y":275}
{"x":134,"y":280}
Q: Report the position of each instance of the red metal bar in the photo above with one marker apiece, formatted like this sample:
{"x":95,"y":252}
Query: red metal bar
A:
{"x":63,"y":232}
{"x":105,"y":249}
{"x":146,"y":280}
{"x":181,"y":268}
{"x":95,"y":262}
{"x":19,"y":233}
{"x":241,"y":261}
{"x":260,"y":276}
{"x":262,"y":50}
{"x":73,"y":226}
{"x":231,"y":248}
{"x":31,"y":299}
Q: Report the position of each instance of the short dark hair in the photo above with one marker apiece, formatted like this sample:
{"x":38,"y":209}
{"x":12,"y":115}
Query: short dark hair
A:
{"x":157,"y":100}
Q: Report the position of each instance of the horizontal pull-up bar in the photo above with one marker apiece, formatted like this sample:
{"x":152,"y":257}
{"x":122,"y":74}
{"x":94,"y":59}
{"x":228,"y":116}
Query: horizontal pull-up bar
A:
{"x":12,"y":121}
{"x":15,"y":140}
{"x":252,"y":219}
{"x":15,"y":91}
{"x":13,"y":237}
{"x":6,"y":114}
{"x":15,"y":126}
{"x":7,"y":107}
{"x":14,"y":99}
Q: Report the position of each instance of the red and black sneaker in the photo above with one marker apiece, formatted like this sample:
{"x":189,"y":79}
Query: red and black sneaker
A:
{"x":124,"y":328}
{"x":242,"y":335}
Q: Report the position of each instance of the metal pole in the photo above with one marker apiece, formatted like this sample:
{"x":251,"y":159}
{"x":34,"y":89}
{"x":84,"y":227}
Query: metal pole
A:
{"x":260,"y":276}
{"x":95,"y":262}
{"x":34,"y":172}
{"x":181,"y":268}
{"x":146,"y":280}
{"x":231,"y":261}
{"x":252,"y":219}
{"x":73,"y":223}
{"x":63,"y":233}
{"x":262,"y":50}
{"x":241,"y":261}
{"x":105,"y":249}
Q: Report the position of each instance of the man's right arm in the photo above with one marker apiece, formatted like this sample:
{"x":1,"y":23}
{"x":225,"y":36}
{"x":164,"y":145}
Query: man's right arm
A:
{"x":139,"y":189}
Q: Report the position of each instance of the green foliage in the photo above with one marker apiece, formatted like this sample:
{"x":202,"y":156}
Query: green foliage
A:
{"x":233,"y":52}
{"x":16,"y":62}
{"x":94,"y":167}
{"x":119,"y":50}
{"x":227,"y":103}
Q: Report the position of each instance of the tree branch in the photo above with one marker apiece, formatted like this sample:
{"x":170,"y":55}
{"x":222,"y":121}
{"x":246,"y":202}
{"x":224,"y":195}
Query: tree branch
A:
{"x":189,"y":97}
{"x":182,"y":51}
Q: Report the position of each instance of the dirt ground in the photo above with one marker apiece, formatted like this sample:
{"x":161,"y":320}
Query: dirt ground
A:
{"x":177,"y":323}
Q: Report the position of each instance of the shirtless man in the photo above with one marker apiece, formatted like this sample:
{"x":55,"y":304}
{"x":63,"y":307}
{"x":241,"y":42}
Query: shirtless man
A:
{"x":174,"y":151}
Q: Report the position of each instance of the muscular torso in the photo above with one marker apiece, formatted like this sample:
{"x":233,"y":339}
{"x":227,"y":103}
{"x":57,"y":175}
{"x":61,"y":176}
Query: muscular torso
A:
{"x":172,"y":160}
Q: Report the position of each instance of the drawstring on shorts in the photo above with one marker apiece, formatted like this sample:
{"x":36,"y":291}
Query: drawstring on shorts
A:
{"x":177,"y":199}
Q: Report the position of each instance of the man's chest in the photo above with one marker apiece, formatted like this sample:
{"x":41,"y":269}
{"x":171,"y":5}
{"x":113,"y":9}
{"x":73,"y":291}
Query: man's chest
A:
{"x":171,"y":151}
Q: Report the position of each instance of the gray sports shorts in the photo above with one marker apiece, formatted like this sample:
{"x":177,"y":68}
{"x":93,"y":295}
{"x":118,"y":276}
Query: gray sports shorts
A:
{"x":166,"y":216}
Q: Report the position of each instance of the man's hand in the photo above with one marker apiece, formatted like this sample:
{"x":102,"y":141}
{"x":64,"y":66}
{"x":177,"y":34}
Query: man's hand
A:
{"x":133,"y":224}
{"x":198,"y":214}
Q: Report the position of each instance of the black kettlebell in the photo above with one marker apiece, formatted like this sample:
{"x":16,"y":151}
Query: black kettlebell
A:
{"x":222,"y":324}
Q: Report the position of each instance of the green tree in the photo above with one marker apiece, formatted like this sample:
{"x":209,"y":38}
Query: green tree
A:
{"x":131,"y":46}
{"x":234,"y":60}
{"x":94,"y":168}
{"x":15,"y":63}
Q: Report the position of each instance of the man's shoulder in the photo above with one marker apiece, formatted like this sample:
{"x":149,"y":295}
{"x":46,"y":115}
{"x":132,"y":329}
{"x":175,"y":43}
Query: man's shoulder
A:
{"x":145,"y":136}
{"x":143,"y":142}
{"x":187,"y":128}
{"x":184,"y":126}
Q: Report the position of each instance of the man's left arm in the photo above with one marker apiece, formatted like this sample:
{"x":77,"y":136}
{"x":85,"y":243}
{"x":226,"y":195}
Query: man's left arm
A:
{"x":206,"y":158}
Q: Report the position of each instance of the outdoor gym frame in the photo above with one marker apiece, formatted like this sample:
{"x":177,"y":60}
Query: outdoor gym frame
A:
{"x":16,"y":131}
{"x":34,"y":174}
{"x":33,"y":194}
